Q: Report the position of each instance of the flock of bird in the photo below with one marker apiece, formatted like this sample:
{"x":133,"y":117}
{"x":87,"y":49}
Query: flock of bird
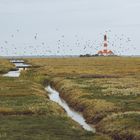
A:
{"x":119,"y":44}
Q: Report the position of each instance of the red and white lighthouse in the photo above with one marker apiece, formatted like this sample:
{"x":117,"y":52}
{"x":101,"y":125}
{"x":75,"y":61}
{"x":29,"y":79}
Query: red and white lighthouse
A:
{"x":105,"y":51}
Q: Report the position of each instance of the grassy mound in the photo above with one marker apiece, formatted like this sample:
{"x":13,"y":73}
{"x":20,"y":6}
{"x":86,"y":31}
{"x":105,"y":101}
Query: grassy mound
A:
{"x":121,"y":126}
{"x":5,"y":66}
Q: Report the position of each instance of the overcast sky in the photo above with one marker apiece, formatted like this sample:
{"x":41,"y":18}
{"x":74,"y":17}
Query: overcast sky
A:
{"x":63,"y":27}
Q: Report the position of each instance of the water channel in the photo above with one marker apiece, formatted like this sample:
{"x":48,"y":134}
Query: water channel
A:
{"x":53,"y":95}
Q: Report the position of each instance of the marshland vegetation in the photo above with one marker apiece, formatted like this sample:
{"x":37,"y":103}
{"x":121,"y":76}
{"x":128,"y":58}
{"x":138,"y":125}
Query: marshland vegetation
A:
{"x":105,"y":89}
{"x":5,"y":65}
{"x":27,"y":113}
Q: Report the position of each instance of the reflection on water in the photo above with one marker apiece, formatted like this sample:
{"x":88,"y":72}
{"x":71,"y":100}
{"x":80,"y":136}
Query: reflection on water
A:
{"x":76,"y":116}
{"x":21,"y":65}
{"x":12,"y":74}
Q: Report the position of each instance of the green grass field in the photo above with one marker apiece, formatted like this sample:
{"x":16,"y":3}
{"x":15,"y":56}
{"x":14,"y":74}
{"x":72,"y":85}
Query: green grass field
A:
{"x":26,"y":113}
{"x":98,"y":87}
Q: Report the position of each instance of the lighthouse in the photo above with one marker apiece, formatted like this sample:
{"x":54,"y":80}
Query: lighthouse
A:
{"x":105,"y":51}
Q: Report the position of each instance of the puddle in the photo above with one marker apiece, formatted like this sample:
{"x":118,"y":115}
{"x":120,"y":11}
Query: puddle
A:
{"x":12,"y":74}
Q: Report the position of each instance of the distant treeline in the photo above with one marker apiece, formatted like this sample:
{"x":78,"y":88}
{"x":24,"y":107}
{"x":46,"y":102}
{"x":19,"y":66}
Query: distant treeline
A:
{"x":89,"y":55}
{"x":94,"y":55}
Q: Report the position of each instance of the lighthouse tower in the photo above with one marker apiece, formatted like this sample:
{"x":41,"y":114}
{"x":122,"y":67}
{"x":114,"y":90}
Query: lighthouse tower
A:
{"x":105,"y":51}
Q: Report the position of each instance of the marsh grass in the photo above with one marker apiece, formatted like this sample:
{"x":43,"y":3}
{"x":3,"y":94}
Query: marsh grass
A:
{"x":5,"y":66}
{"x":26,"y":113}
{"x":97,"y":87}
{"x":42,"y":128}
{"x":129,"y":128}
{"x":24,"y":97}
